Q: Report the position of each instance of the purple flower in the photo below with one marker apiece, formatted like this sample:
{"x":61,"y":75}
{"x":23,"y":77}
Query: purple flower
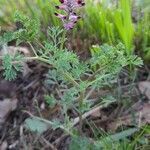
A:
{"x":62,"y":17}
{"x":73,"y":17}
{"x":69,"y":6}
{"x":69,"y":25}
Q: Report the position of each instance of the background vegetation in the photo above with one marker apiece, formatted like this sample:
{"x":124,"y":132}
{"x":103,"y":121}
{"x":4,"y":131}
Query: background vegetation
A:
{"x":106,"y":22}
{"x":113,"y":35}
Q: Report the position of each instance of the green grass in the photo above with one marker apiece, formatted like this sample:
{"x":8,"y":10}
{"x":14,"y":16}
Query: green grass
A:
{"x":127,"y":139}
{"x":110,"y":24}
{"x":103,"y":21}
{"x":44,"y":10}
{"x":143,"y":30}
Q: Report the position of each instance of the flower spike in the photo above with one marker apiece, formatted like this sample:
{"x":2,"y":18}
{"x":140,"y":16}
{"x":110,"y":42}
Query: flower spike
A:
{"x":70,"y":7}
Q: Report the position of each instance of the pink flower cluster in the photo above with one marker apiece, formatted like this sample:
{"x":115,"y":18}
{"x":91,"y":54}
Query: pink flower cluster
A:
{"x":70,"y":18}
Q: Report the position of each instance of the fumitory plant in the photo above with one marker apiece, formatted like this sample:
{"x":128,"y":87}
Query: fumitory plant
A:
{"x":70,"y":17}
{"x":76,"y":80}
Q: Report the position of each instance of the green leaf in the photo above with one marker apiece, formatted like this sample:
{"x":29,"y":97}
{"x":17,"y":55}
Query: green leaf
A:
{"x":81,"y":143}
{"x":36,"y":125}
{"x":11,"y":65}
{"x":116,"y":137}
{"x":30,"y":28}
{"x":50,"y":100}
{"x":111,"y":59}
{"x":135,"y":60}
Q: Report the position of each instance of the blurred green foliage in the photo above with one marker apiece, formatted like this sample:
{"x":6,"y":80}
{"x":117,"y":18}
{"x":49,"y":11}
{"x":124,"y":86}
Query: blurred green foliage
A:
{"x":107,"y":21}
{"x":111,"y":22}
{"x":43,"y":9}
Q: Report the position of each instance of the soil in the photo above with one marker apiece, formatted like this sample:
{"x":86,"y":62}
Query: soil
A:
{"x":30,"y":89}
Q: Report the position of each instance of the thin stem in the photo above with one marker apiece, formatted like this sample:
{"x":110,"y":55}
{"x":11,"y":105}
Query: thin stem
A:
{"x":43,"y":60}
{"x":90,"y":92}
{"x":41,"y":45}
{"x":24,"y":59}
{"x":70,"y":78}
{"x":34,"y":51}
{"x":98,"y":79}
{"x":96,"y":72}
{"x":30,"y":58}
{"x":81,"y":99}
{"x":87,"y":114}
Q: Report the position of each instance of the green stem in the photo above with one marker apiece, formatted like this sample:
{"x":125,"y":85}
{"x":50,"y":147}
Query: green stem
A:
{"x":70,"y":78}
{"x":81,"y":99}
{"x":34,"y":51}
{"x":63,"y":37}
